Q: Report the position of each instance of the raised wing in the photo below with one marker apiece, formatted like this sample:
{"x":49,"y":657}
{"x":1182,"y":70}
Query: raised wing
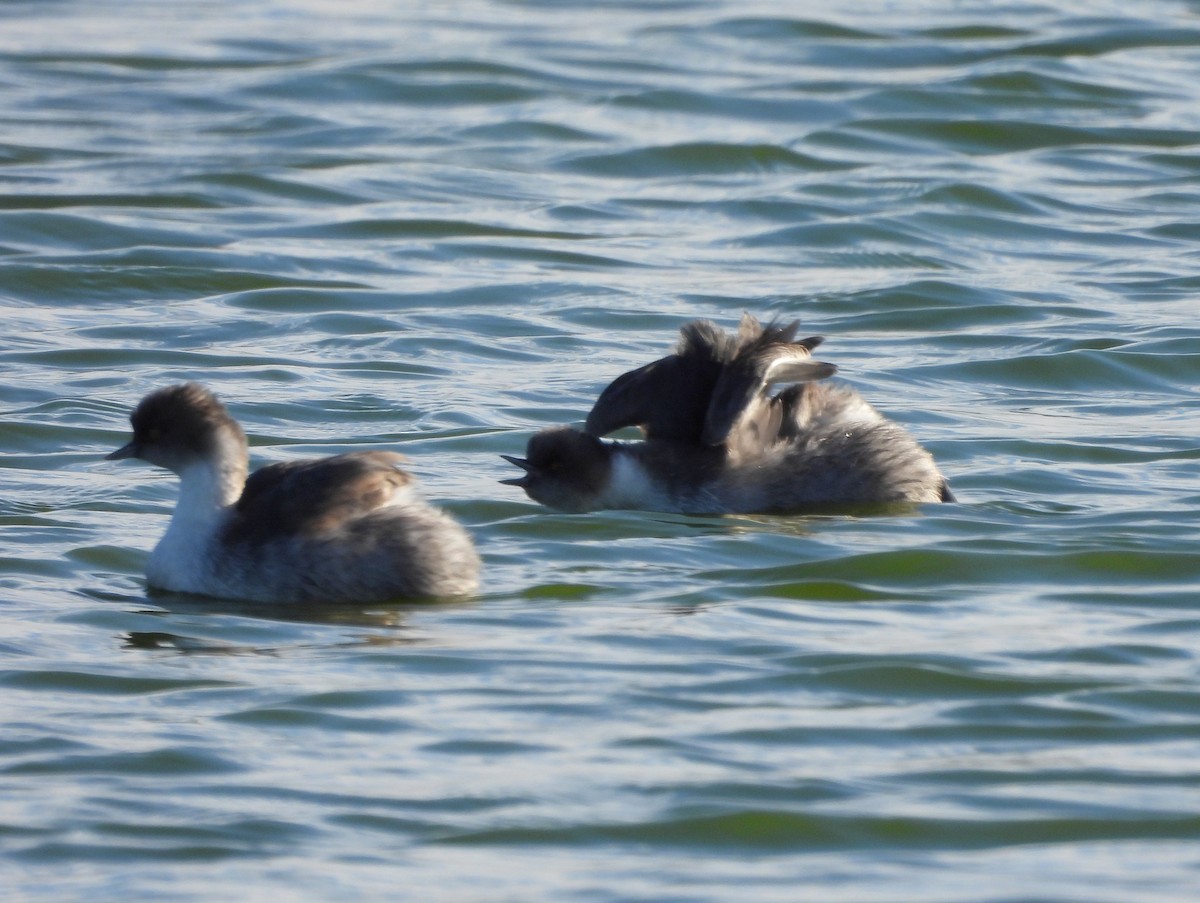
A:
{"x":667,"y":399}
{"x":715,"y":385}
{"x":767,"y":358}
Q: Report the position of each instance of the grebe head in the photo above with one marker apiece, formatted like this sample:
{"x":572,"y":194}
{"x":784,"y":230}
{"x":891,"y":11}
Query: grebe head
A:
{"x":179,"y":426}
{"x":564,"y":469}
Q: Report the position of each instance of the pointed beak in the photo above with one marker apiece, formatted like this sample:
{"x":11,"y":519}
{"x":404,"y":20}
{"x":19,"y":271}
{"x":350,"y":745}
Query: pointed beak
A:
{"x":521,"y":481}
{"x":128,"y":450}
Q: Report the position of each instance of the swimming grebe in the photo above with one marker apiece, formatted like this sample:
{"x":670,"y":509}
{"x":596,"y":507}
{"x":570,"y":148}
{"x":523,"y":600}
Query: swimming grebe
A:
{"x":348,"y":528}
{"x":717,"y":441}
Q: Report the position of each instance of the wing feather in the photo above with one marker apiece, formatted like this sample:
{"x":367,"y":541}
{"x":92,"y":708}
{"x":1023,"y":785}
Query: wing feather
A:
{"x":767,"y":359}
{"x":666,"y":398}
{"x":716,"y":385}
{"x":315,"y":497}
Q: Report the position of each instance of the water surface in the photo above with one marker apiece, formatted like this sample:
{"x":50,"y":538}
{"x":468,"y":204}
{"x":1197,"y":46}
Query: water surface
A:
{"x":438,"y":228}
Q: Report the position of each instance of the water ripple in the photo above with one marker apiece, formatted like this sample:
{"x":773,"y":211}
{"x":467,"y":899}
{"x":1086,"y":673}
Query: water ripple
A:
{"x":439,"y":230}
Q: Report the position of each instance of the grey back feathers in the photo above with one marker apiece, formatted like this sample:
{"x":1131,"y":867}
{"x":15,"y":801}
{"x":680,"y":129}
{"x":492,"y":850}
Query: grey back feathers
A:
{"x":313,"y":498}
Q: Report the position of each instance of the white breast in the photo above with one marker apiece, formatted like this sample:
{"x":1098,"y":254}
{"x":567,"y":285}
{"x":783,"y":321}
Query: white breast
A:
{"x":630,"y":486}
{"x":182,"y":560}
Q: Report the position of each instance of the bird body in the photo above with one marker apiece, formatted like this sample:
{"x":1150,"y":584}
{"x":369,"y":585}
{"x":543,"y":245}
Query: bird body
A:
{"x":719,"y":439}
{"x":348,"y":528}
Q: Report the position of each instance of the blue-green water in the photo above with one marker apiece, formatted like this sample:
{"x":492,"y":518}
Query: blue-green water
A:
{"x":439,"y":227}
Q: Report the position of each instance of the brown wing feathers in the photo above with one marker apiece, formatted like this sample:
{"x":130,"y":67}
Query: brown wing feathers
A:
{"x":314,"y":497}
